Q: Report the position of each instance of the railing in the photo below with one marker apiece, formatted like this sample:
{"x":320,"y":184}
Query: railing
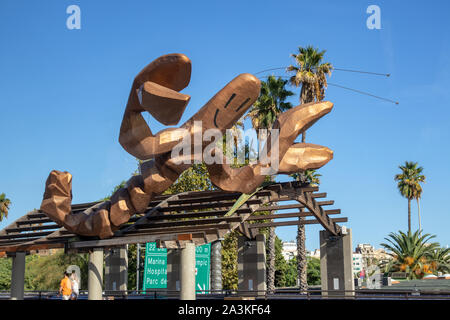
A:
{"x":362,"y":294}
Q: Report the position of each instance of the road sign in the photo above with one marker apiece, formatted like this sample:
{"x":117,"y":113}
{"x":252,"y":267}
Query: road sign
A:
{"x":155,"y":271}
{"x":202,"y":267}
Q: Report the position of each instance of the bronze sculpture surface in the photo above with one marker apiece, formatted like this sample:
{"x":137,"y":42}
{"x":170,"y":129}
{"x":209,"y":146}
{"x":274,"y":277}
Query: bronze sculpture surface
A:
{"x":156,"y":90}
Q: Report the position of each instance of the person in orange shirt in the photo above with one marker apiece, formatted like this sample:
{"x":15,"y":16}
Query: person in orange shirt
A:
{"x":65,"y":288}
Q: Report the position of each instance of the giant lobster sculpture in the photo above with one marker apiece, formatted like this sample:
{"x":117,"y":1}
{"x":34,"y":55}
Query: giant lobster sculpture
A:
{"x":156,"y":89}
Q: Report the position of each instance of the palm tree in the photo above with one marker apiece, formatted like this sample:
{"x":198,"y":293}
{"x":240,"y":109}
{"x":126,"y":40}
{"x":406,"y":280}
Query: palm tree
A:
{"x":411,"y":253}
{"x":4,"y":206}
{"x":409,"y":184}
{"x":311,"y":177}
{"x":271,"y":261}
{"x":311,"y":74}
{"x":418,"y":192}
{"x":271,"y":102}
{"x":440,"y":260}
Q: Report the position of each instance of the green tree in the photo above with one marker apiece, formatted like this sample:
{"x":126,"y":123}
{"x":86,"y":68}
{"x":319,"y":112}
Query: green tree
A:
{"x":4,"y":206}
{"x":309,"y":176}
{"x":409,"y":184}
{"x":291,"y":274}
{"x":229,"y":262}
{"x":196,"y":178}
{"x":5,"y":273}
{"x":281,"y":266}
{"x":132,"y":265}
{"x":46,"y":272}
{"x":313,"y":271}
{"x":410,"y":253}
{"x":311,"y":74}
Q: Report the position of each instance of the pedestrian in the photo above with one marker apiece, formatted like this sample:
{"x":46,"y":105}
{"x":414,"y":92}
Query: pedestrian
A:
{"x":65,"y":288}
{"x":75,"y":285}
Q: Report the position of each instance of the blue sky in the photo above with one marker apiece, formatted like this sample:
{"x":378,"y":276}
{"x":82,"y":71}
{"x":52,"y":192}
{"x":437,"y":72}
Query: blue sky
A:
{"x":63,"y":93}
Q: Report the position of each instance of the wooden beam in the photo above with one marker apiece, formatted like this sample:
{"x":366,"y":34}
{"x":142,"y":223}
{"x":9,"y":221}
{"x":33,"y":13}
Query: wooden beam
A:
{"x":289,"y":215}
{"x":200,"y":214}
{"x":205,"y":199}
{"x":14,"y":223}
{"x":30,"y":247}
{"x":224,"y":204}
{"x":183,"y":229}
{"x":6,"y":243}
{"x":243,"y":228}
{"x":282,"y":207}
{"x":291,"y":223}
{"x":189,"y":222}
{"x":34,"y":221}
{"x":25,"y":235}
{"x":319,"y":195}
{"x":144,"y":219}
{"x":325,"y":203}
{"x":33,"y":228}
{"x":122,"y":241}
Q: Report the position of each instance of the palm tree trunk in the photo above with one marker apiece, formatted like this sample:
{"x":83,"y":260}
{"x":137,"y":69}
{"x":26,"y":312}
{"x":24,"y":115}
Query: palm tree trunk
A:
{"x":409,"y":215}
{"x":301,"y":257}
{"x":306,"y":96}
{"x":271,"y":262}
{"x":418,"y":213}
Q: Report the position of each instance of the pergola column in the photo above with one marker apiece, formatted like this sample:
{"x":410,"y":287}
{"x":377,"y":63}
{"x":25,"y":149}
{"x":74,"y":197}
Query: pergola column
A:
{"x":336,"y":270}
{"x":252,"y":264}
{"x":95,"y":275}
{"x":116,"y":269}
{"x":18,"y":276}
{"x":187,"y":272}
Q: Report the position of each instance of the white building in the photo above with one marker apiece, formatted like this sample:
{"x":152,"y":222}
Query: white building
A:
{"x":289,"y":250}
{"x":357,"y":263}
{"x":371,"y":255}
{"x":366,"y":255}
{"x":314,"y":254}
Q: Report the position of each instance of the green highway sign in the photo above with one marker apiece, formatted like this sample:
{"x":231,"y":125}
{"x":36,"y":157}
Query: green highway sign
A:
{"x":202,"y":267}
{"x":155,"y":271}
